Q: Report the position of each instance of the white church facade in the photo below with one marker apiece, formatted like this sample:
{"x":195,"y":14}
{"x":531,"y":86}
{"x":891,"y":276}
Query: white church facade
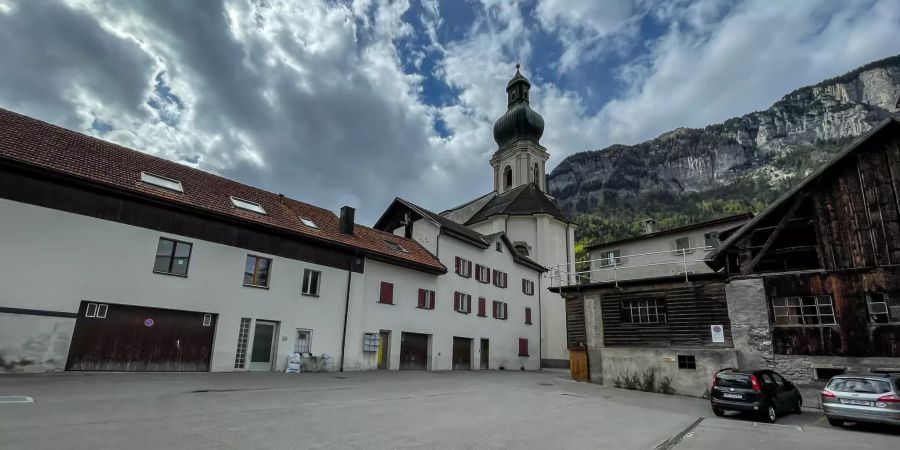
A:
{"x":117,"y":260}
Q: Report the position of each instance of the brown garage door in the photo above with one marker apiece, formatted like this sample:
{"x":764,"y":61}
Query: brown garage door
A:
{"x":140,"y":339}
{"x":462,"y":353}
{"x":413,"y":351}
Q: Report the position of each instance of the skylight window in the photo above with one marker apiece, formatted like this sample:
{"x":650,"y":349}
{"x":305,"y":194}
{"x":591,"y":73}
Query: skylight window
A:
{"x":308,"y":222}
{"x":396,"y":246}
{"x":248,"y":205}
{"x":161,"y":181}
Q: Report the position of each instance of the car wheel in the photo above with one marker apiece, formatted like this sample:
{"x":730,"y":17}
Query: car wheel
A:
{"x":718,"y":412}
{"x":769,"y":415}
{"x":836,"y":422}
{"x":797,"y":404}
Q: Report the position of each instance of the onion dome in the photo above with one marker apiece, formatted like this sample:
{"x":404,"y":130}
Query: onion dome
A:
{"x":520,"y":121}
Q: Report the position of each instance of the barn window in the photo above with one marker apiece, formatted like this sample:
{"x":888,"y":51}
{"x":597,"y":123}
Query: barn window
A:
{"x":311,"y":282}
{"x":172,"y":257}
{"x":812,"y":310}
{"x":386,"y":294}
{"x":507,"y":177}
{"x":883,"y":308}
{"x":256,"y":271}
{"x":643,"y":311}
{"x":523,"y":347}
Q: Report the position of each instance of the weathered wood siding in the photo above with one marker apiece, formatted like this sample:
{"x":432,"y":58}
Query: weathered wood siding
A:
{"x":691,"y":309}
{"x":576,"y":335}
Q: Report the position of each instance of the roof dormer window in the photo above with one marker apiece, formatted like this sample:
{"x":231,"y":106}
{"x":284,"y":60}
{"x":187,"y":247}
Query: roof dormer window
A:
{"x":161,"y":181}
{"x":308,"y":222}
{"x":247,"y":205}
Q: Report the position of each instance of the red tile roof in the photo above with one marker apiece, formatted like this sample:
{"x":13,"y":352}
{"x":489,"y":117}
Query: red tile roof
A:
{"x":36,"y":143}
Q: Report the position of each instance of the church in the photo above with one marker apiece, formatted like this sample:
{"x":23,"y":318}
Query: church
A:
{"x":518,"y":207}
{"x":117,"y":260}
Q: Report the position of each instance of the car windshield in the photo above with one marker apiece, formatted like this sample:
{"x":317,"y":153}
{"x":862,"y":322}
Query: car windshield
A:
{"x":733,"y":380}
{"x":859,"y":385}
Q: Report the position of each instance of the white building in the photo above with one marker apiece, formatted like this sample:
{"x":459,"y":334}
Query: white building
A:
{"x":657,"y":254}
{"x":117,"y":260}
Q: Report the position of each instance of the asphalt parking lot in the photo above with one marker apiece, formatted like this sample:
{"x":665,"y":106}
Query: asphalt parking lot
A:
{"x":493,"y":409}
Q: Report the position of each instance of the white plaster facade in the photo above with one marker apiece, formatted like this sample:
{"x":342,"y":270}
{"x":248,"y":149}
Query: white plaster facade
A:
{"x":523,"y":159}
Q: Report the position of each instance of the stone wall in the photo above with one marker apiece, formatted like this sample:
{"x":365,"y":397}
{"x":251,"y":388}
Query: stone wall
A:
{"x":749,"y":316}
{"x":619,"y":362}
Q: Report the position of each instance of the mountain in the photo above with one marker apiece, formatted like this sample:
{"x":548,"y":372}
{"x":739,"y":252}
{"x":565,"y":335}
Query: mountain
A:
{"x":687,"y":175}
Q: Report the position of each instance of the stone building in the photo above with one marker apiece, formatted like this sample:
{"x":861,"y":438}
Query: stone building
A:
{"x":813,"y":283}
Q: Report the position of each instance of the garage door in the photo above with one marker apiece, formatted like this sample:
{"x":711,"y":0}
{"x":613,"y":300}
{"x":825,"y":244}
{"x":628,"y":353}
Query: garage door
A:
{"x":413,"y":351}
{"x":134,"y":338}
{"x":462,"y":353}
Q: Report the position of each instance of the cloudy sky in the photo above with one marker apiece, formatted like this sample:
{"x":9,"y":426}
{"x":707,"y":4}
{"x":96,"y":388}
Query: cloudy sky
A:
{"x":340,"y":102}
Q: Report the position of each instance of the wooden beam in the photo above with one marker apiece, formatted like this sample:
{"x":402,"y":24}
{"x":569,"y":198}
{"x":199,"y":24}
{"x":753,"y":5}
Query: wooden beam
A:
{"x":781,"y":224}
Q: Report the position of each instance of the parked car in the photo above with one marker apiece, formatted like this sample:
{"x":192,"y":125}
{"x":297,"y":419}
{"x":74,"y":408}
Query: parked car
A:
{"x":867,"y":397}
{"x":764,"y":393}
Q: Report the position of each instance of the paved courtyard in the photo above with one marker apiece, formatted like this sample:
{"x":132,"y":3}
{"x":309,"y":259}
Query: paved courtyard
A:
{"x":384,"y":410}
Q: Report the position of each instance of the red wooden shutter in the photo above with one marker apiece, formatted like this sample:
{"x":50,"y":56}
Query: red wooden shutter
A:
{"x":431,"y":294}
{"x":505,"y":279}
{"x":481,"y":306}
{"x":495,"y":277}
{"x":456,"y":301}
{"x":494,"y":309}
{"x":421,"y":298}
{"x":524,"y":290}
{"x":505,"y":310}
{"x":468,"y":304}
{"x":458,"y":265}
{"x":528,"y":316}
{"x":523,"y":347}
{"x":469,"y":266}
{"x":387,"y":292}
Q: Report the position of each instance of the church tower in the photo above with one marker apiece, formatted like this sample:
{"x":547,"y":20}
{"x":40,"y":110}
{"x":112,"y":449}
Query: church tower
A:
{"x":520,"y":158}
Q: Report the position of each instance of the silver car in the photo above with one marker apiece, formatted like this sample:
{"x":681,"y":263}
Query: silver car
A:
{"x":871,"y":398}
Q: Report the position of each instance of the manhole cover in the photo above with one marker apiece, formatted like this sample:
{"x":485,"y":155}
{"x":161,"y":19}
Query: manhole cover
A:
{"x":16,"y":399}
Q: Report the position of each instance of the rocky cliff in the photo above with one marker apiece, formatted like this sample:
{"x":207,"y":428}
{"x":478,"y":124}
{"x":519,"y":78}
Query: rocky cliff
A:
{"x":687,"y":175}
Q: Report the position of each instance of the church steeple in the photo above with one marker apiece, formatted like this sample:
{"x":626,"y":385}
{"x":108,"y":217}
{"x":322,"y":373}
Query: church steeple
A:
{"x":520,"y":158}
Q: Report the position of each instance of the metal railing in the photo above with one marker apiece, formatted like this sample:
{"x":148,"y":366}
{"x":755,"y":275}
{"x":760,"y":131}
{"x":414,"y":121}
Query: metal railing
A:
{"x":566,"y":277}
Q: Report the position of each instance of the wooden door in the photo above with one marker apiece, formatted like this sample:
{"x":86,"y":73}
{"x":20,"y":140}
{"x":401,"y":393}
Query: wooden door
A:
{"x":578,"y":364}
{"x":462,"y":353}
{"x":413,"y":351}
{"x":126,"y":338}
{"x":485,"y":354}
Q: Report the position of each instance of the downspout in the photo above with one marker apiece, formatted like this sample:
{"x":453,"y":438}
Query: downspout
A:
{"x":347,"y":310}
{"x":540,"y":326}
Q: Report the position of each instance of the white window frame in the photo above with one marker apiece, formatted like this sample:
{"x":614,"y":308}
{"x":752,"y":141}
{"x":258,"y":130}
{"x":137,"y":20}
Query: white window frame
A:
{"x":306,"y":282}
{"x":308,"y":222}
{"x":429,"y":299}
{"x":207,"y":320}
{"x":465,"y":303}
{"x":683,"y":250}
{"x":248,"y":205}
{"x":878,"y":305}
{"x":803,"y":311}
{"x":645,"y":310}
{"x":611,"y":258}
{"x":528,"y":287}
{"x":166,"y":183}
{"x":96,"y":310}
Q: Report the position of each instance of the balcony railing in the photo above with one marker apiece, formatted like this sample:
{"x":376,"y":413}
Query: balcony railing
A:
{"x":566,"y":275}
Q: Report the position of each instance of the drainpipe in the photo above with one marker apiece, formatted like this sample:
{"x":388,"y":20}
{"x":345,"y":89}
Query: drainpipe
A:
{"x":540,"y":326}
{"x":346,"y":311}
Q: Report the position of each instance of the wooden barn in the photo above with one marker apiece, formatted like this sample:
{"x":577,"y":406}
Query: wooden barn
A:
{"x":813,"y":282}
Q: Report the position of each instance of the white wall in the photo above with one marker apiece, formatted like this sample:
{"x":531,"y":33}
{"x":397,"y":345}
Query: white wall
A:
{"x":53,"y":260}
{"x":669,"y":263}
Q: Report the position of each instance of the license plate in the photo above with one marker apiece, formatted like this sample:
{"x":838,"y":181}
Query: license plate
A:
{"x":856,"y":402}
{"x":728,"y":395}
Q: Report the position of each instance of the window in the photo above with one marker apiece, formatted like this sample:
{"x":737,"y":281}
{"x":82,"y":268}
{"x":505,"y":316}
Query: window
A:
{"x":387,"y":293}
{"x":711,"y":239}
{"x":207,"y":320}
{"x":611,"y":258}
{"x":396,"y":247}
{"x":500,"y":310}
{"x":240,"y":357}
{"x":481,"y":307}
{"x":883,"y":308}
{"x":644,"y":311}
{"x":683,"y":246}
{"x":462,"y":302}
{"x":308,"y":222}
{"x":463,"y":267}
{"x":500,"y":279}
{"x":536,"y":178}
{"x":161,"y":181}
{"x":527,"y":287}
{"x":256,"y":271}
{"x":523,"y":347}
{"x":521,"y":248}
{"x":247,"y":205}
{"x":482,"y":273}
{"x":687,"y":362}
{"x":311,"y":282}
{"x":303,"y":342}
{"x":172,"y":257}
{"x":811,"y":310}
{"x":527,"y":316}
{"x":507,"y":177}
{"x":498,"y":246}
{"x":426,"y":299}
{"x":97,"y":310}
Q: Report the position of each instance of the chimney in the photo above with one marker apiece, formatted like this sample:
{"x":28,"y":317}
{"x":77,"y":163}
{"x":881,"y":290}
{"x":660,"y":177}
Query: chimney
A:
{"x":347,"y":214}
{"x":650,"y":226}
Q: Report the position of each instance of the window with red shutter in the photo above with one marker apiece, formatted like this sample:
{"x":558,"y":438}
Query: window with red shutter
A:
{"x":523,"y":347}
{"x":505,"y":310}
{"x":494,"y":309}
{"x":481,"y":307}
{"x":468,"y":269}
{"x":527,"y":316}
{"x":505,"y":278}
{"x":422,"y":294}
{"x":456,"y":301}
{"x":458,"y":265}
{"x":431,"y":297}
{"x":387,"y":293}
